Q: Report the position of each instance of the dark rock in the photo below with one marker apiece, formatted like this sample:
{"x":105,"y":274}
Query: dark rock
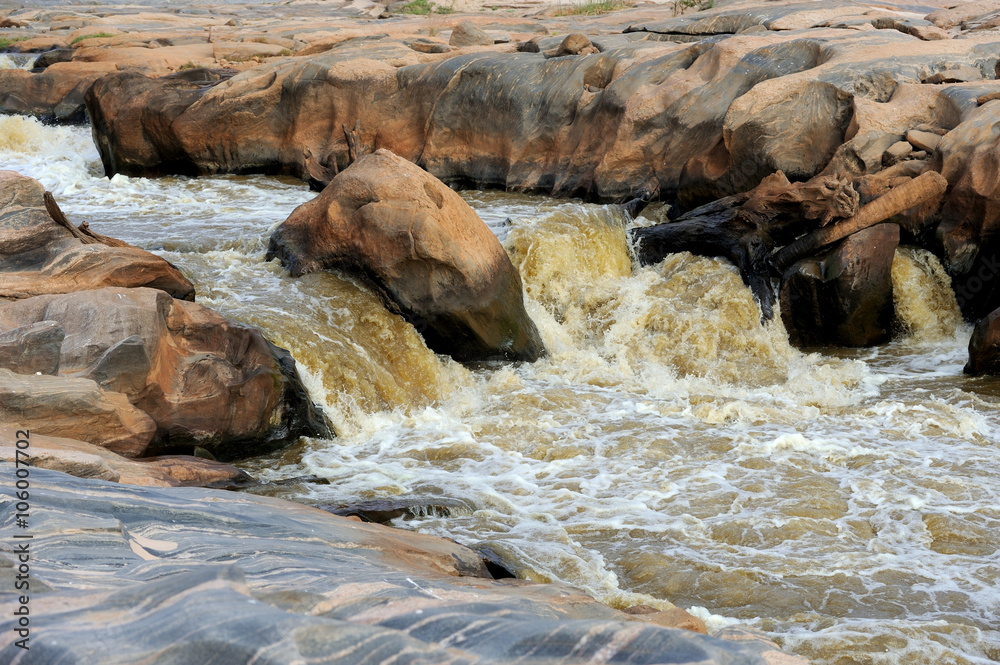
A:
{"x":423,"y":249}
{"x":984,"y":346}
{"x":32,"y":349}
{"x":843,"y":298}
{"x":384,"y":511}
{"x":970,"y":217}
{"x":54,"y":56}
{"x":125,"y":582}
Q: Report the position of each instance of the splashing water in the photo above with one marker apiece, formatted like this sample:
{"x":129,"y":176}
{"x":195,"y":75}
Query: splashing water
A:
{"x":669,"y":447}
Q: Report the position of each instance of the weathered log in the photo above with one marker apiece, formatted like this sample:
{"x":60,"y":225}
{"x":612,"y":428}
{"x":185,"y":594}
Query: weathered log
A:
{"x":924,"y":188}
{"x":82,"y":232}
{"x":745,"y":228}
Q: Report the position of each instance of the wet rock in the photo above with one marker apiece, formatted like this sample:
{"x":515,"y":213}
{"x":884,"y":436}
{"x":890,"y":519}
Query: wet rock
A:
{"x":423,"y":249}
{"x":74,"y":408}
{"x":300,"y":584}
{"x":40,"y":254}
{"x":984,"y":346}
{"x":56,"y":93}
{"x":467,"y":33}
{"x":32,"y":349}
{"x":843,"y":298}
{"x":85,"y":460}
{"x":202,"y":379}
{"x":672,"y":618}
{"x":54,"y":56}
{"x":384,"y":511}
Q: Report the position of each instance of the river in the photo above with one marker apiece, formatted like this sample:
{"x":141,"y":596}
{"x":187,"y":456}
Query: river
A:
{"x":669,"y":446}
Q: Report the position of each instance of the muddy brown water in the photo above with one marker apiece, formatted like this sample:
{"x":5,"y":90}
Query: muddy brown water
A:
{"x":669,"y":448}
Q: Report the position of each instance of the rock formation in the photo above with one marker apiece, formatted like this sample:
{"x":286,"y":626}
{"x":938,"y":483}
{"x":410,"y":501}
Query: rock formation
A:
{"x":297,"y":583}
{"x":41,"y":252}
{"x":124,"y":362}
{"x":423,"y":248}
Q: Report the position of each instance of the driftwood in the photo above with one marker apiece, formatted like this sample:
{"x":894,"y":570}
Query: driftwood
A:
{"x":919,"y":190}
{"x":82,"y":232}
{"x":777,"y":215}
{"x":745,"y":228}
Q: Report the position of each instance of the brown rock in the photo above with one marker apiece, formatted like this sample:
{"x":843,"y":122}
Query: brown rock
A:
{"x":85,"y":460}
{"x":984,"y":346}
{"x":203,"y":380}
{"x":843,"y":298}
{"x":970,"y":216}
{"x":896,"y":152}
{"x":425,"y":251}
{"x":923,"y":140}
{"x":573,"y":44}
{"x":467,"y":33}
{"x":56,"y":93}
{"x":672,"y":618}
{"x":39,"y":254}
{"x":74,"y":408}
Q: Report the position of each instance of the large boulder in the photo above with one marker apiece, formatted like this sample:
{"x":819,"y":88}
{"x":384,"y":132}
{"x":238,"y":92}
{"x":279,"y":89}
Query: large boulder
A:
{"x":423,"y":249}
{"x":42,"y":253}
{"x":984,"y":346}
{"x":204,"y":380}
{"x":843,"y":298}
{"x":157,"y":576}
{"x":970,"y":218}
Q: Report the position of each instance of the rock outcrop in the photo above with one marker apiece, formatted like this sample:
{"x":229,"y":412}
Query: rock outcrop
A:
{"x":297,"y":583}
{"x":984,"y":346}
{"x":843,"y":298}
{"x":42,"y":253}
{"x":423,"y":248}
{"x":131,"y":366}
{"x":203,"y":380}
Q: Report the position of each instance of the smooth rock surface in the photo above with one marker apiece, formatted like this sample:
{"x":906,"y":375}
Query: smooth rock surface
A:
{"x":424,"y":250}
{"x":123,"y":575}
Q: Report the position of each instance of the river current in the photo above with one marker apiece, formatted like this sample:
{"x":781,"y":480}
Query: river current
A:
{"x":669,"y":448}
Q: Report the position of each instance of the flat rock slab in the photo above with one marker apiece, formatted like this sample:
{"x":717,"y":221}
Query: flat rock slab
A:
{"x":123,"y":575}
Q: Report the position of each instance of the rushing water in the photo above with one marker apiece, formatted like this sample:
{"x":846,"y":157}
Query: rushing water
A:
{"x":669,"y":447}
